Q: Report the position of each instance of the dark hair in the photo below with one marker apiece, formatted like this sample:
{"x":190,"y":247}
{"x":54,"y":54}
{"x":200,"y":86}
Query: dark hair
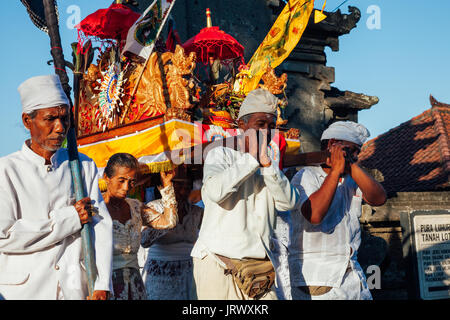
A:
{"x":32,"y":114}
{"x":120,"y":160}
{"x":324,"y":144}
{"x":246,"y":118}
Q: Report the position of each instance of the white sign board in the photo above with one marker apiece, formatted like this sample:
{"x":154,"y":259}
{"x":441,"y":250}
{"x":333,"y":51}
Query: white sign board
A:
{"x":432,"y":240}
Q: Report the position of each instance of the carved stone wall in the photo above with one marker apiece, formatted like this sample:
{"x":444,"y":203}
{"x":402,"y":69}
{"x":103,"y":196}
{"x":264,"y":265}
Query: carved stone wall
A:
{"x":313,"y":103}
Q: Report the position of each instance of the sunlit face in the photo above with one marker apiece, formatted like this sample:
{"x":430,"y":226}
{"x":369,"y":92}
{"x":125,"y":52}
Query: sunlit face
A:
{"x":260,"y":121}
{"x":122,"y":182}
{"x":48,"y":128}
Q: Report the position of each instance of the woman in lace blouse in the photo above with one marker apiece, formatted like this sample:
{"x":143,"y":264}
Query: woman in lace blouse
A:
{"x":129,"y":215}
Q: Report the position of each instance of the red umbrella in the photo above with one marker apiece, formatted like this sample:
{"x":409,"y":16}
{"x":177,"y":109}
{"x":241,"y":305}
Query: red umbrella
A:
{"x":111,"y":23}
{"x":211,"y":41}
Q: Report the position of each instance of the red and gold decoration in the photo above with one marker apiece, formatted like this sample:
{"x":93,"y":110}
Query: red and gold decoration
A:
{"x":111,"y":94}
{"x":165,"y":89}
{"x":211,"y":42}
{"x":149,"y":107}
{"x":110,"y":23}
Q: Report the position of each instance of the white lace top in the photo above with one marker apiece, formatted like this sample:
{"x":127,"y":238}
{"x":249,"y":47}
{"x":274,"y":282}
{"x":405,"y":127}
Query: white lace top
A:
{"x":127,"y":237}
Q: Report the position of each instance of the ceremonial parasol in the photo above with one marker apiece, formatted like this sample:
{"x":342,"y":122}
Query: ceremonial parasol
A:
{"x":213,"y":42}
{"x":111,"y":23}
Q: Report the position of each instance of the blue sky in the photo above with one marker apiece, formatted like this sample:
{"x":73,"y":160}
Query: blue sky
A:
{"x":402,"y":62}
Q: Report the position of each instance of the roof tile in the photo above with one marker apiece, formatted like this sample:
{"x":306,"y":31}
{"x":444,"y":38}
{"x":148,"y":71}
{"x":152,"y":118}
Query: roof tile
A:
{"x":414,"y":156}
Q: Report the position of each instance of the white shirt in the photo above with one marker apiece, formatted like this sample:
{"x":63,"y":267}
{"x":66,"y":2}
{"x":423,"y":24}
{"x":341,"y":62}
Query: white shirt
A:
{"x":320,"y":254}
{"x":281,"y":242}
{"x":240,"y":200}
{"x":40,"y":239}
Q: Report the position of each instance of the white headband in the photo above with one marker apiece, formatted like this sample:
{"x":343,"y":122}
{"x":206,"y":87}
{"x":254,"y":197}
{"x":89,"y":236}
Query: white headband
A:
{"x":347,"y":131}
{"x":42,"y":92}
{"x":259,"y":100}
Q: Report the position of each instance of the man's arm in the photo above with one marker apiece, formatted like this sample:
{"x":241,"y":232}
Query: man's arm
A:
{"x":221,"y":178}
{"x":315,"y":208}
{"x":28,"y":236}
{"x":373,"y":192}
{"x":284,"y":194}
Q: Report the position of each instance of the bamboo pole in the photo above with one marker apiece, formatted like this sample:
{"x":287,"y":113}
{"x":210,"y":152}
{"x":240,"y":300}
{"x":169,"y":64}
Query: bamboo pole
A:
{"x":60,"y":70}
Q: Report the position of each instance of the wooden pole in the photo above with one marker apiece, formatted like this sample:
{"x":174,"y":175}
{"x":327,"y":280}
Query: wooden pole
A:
{"x":60,"y":70}
{"x":77,"y":76}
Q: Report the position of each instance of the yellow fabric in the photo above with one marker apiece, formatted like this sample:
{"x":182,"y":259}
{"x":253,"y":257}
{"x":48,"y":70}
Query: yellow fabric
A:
{"x":171,"y":135}
{"x":157,"y":167}
{"x":150,"y":143}
{"x":293,"y":146}
{"x":280,"y":41}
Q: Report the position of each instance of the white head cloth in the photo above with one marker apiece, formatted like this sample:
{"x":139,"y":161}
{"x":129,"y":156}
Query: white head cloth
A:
{"x":259,"y":100}
{"x":347,"y":131}
{"x":42,"y":92}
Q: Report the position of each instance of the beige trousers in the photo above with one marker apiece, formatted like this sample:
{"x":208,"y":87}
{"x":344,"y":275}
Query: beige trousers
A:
{"x":210,"y":282}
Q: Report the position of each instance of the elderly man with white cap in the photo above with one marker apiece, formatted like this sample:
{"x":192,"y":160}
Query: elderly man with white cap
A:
{"x":326,"y":231}
{"x":41,"y":255}
{"x":241,"y":192}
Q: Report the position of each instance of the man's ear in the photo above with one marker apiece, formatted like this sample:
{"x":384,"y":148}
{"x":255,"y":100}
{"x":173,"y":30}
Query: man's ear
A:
{"x":330,"y":143}
{"x":241,"y":124}
{"x":26,"y":119}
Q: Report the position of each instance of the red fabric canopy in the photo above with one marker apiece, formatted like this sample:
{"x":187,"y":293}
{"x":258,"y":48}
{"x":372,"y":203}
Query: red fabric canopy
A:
{"x":215,"y":42}
{"x":111,"y":23}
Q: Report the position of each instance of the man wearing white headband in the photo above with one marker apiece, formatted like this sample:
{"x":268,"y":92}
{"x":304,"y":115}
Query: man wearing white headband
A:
{"x":241,"y":192}
{"x":326,"y":230}
{"x":40,"y":243}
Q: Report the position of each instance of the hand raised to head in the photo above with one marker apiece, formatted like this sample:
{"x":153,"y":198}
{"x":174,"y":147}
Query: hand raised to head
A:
{"x":263,"y":155}
{"x":337,"y":160}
